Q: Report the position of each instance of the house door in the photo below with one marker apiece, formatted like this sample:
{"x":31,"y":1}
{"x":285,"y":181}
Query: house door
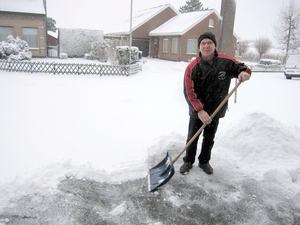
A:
{"x":155,"y":48}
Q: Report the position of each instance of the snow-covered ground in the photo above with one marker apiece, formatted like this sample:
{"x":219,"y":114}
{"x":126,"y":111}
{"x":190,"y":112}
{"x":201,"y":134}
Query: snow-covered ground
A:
{"x":76,"y":149}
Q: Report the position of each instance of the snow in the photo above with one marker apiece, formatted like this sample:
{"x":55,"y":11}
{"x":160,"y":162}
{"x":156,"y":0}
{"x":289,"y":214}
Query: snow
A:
{"x":78,"y":148}
{"x":24,"y":6}
{"x":138,"y":19}
{"x":182,"y":23}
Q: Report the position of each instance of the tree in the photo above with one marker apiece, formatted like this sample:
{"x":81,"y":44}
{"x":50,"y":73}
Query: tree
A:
{"x":262,"y":45}
{"x":243,"y":47}
{"x":51,"y":24}
{"x":287,"y":28}
{"x":191,"y":6}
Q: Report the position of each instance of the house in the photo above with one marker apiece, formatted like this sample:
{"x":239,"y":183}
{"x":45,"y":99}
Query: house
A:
{"x":25,"y":19}
{"x":143,"y":22}
{"x":175,"y":36}
{"x":177,"y":39}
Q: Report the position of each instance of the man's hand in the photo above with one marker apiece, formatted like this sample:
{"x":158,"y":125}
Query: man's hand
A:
{"x":243,"y":76}
{"x":204,"y":117}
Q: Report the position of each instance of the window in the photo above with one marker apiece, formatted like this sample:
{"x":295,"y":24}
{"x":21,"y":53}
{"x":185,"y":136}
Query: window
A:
{"x":30,"y":35}
{"x":211,"y":23}
{"x":192,"y":46}
{"x":5,"y":32}
{"x":174,"y":45}
{"x":165,"y":45}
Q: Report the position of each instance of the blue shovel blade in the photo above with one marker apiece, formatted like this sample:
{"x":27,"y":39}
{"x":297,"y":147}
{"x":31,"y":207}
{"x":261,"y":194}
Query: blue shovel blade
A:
{"x":161,"y":173}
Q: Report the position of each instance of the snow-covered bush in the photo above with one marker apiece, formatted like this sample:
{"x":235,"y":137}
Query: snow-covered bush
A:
{"x":113,"y":43}
{"x":63,"y":55}
{"x":99,"y":51}
{"x":123,"y":53}
{"x":88,"y":56}
{"x":14,"y":49}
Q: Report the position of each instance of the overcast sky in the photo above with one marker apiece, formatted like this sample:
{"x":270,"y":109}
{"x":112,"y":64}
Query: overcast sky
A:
{"x":254,"y":18}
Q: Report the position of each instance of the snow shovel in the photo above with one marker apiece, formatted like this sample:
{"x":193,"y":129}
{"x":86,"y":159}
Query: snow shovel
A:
{"x":163,"y":171}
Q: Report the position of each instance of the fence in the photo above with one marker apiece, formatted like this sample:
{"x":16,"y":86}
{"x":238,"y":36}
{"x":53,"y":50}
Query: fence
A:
{"x":52,"y":51}
{"x":267,"y":68}
{"x":68,"y":68}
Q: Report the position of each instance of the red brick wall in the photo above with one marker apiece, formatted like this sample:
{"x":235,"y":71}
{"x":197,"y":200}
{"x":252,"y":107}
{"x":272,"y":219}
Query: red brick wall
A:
{"x":193,"y":33}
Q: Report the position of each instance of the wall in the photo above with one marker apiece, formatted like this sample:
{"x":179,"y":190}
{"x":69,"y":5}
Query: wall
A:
{"x":20,"y":20}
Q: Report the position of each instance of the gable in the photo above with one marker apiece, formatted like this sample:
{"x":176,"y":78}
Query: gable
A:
{"x":182,"y":23}
{"x":139,"y":18}
{"x":23,"y":6}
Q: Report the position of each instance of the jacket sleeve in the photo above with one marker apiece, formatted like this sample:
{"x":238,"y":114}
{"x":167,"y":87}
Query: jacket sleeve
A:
{"x":237,"y":67}
{"x":242,"y":67}
{"x":189,"y":90}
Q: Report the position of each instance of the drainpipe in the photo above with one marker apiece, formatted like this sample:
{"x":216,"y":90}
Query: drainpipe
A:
{"x":45,"y":29}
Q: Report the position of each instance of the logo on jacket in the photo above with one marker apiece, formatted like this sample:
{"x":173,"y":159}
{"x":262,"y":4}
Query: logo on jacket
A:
{"x":222,"y":75}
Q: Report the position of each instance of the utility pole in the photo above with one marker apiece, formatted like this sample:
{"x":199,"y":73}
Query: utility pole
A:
{"x":130,"y":32}
{"x":228,"y":16}
{"x":226,"y":40}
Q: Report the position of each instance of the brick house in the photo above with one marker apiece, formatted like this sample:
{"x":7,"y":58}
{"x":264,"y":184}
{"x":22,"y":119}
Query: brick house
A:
{"x":143,"y":22}
{"x":169,"y":34}
{"x":177,"y":38}
{"x":25,"y":19}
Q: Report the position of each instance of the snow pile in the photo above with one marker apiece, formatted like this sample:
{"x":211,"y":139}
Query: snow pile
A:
{"x":14,"y":49}
{"x":263,"y":148}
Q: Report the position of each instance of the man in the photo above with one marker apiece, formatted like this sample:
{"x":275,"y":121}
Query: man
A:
{"x":206,"y":84}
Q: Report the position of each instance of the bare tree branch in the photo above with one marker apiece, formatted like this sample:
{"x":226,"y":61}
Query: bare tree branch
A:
{"x":262,"y":45}
{"x":287,"y":28}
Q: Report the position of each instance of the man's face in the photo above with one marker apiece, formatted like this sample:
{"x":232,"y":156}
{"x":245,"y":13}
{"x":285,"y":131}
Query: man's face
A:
{"x":207,"y":48}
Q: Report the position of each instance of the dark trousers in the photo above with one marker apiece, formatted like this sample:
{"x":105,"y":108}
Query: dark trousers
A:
{"x":207,"y":143}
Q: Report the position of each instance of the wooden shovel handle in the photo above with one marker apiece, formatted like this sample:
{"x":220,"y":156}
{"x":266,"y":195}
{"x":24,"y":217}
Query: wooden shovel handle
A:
{"x":204,"y":125}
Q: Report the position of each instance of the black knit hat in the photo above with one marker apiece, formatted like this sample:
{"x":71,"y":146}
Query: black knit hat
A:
{"x":208,"y":35}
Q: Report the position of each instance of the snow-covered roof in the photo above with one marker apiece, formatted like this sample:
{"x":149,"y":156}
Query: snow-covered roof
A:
{"x":138,"y":19}
{"x":23,"y":6}
{"x":53,"y":34}
{"x":182,"y":23}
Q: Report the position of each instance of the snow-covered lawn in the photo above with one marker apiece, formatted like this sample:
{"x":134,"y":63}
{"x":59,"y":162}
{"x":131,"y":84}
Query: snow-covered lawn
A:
{"x":76,"y":149}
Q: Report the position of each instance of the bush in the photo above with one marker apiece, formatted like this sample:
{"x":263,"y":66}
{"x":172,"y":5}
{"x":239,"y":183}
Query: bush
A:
{"x":14,"y":49}
{"x":123,"y":55}
{"x":99,"y":51}
{"x":63,"y":56}
{"x":113,"y":43}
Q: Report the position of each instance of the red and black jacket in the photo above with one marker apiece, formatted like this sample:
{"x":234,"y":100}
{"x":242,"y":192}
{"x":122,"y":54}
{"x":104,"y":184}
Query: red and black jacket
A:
{"x":206,"y":85}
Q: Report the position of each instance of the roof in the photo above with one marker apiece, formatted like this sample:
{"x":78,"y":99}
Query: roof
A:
{"x":53,"y":34}
{"x":23,"y":6}
{"x":182,"y":23}
{"x":138,"y":19}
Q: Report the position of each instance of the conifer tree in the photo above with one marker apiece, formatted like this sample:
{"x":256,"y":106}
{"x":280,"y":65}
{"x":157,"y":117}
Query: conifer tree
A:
{"x":51,"y":24}
{"x":191,"y":6}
